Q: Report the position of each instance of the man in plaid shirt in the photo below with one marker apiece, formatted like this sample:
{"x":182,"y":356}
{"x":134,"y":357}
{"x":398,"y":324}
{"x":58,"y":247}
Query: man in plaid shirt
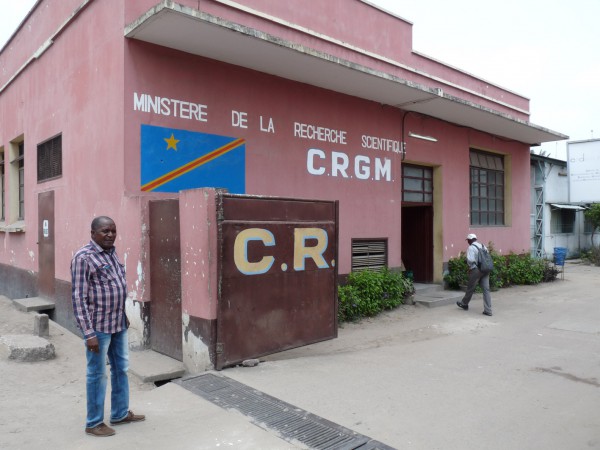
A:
{"x":98,"y":292}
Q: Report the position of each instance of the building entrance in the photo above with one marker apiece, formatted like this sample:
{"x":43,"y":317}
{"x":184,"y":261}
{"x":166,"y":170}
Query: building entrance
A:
{"x":417,"y":221}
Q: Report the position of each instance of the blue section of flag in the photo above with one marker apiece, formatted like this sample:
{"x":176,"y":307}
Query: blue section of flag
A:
{"x":225,"y":171}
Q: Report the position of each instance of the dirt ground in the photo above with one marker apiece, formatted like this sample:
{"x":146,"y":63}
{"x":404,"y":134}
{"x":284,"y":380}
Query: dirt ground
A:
{"x":413,"y":378}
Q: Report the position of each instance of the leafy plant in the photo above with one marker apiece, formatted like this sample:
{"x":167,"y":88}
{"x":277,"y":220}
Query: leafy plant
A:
{"x":368,"y":292}
{"x":593,"y":215}
{"x":508,"y":270}
{"x":591,"y":256}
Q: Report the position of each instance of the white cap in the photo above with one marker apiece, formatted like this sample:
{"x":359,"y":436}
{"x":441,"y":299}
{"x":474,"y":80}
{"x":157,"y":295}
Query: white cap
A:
{"x":471,"y":236}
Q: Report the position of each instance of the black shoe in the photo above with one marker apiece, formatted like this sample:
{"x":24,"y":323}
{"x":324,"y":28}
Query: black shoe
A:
{"x":485,"y":313}
{"x":462,"y":306}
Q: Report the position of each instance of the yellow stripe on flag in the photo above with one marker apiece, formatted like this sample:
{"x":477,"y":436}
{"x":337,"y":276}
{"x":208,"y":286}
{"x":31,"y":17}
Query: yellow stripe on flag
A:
{"x":192,"y":165}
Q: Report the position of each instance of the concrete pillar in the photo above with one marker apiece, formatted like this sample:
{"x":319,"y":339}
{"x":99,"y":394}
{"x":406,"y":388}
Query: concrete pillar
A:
{"x":41,"y":325}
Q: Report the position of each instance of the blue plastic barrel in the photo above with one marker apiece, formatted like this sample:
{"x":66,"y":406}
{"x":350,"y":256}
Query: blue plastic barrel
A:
{"x":560,"y":254}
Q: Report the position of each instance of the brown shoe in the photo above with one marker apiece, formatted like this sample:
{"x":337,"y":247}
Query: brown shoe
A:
{"x":101,"y":430}
{"x":129,"y":418}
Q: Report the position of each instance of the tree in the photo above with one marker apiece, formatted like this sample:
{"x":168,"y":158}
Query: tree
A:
{"x":593,"y":215}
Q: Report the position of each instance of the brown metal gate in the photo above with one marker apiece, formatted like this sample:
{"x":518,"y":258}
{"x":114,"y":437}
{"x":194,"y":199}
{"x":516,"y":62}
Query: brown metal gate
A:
{"x":277,"y":275}
{"x":165,"y":278}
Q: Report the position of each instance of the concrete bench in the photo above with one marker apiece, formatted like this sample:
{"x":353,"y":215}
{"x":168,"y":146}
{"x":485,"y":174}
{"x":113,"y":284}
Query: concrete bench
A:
{"x":34,"y":304}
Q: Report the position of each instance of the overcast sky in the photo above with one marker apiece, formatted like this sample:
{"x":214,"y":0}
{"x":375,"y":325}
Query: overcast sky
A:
{"x":546,"y":50}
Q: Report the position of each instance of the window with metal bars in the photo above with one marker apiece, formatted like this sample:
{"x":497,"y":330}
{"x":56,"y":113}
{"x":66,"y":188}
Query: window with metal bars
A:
{"x":49,"y":159}
{"x":562,"y":221}
{"x":369,"y":254}
{"x":487,"y":188}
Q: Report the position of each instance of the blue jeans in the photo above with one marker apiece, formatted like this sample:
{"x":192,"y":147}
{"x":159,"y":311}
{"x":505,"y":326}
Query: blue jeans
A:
{"x":116,"y":347}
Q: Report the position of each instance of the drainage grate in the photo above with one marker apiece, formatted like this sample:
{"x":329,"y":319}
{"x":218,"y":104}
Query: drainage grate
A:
{"x":291,"y":423}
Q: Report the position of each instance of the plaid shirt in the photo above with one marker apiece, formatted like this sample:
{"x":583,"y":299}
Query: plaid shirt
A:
{"x":98,"y":290}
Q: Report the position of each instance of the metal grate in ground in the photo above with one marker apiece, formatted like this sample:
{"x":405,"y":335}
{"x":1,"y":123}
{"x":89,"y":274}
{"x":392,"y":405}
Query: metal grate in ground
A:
{"x":290,"y":423}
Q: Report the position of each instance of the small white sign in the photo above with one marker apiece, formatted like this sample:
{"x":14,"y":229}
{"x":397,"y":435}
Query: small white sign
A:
{"x":45,"y":228}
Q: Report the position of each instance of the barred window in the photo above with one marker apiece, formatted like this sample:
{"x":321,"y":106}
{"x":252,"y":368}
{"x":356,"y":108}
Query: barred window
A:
{"x":49,"y":159}
{"x":487,"y":188}
{"x":562,"y":221}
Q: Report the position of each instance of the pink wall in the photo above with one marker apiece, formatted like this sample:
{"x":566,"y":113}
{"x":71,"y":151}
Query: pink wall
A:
{"x":277,"y":160}
{"x":198,"y":237}
{"x":75,"y":89}
{"x":83,"y":85}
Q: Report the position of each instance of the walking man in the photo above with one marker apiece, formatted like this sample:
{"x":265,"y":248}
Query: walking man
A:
{"x":98,"y":293}
{"x":476,"y":277}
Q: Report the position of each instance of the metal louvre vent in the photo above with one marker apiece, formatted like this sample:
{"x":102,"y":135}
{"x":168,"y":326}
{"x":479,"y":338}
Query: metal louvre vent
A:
{"x":49,"y":159}
{"x":369,"y":254}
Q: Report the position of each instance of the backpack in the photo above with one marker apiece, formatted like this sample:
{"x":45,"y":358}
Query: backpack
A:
{"x":485,"y":264}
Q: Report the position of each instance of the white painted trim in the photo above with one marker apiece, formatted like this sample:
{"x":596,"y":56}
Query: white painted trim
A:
{"x":235,"y":5}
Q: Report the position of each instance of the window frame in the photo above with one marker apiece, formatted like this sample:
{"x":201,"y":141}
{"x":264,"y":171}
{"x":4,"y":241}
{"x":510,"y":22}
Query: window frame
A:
{"x":2,"y":184}
{"x":49,"y":157}
{"x":560,"y":224}
{"x":487,"y":188}
{"x":18,"y":164}
{"x":426,"y":180}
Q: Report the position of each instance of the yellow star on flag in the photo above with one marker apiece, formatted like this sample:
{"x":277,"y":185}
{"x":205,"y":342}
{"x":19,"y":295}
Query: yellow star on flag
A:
{"x":172,"y":142}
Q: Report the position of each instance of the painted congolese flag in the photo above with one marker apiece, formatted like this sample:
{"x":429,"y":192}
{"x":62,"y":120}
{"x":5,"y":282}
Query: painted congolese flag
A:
{"x":173,"y":160}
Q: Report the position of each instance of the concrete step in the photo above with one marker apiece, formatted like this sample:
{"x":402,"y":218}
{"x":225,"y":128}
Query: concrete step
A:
{"x":433,"y":295}
{"x":34,"y":304}
{"x":27,"y":348}
{"x":425,"y":288}
{"x":150,"y":366}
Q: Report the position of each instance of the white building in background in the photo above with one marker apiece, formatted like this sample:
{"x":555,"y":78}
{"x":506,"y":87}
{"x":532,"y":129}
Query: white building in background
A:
{"x":556,"y":220}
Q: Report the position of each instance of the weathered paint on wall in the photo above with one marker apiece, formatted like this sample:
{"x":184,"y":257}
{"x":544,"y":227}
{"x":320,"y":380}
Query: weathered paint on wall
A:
{"x":299,"y":140}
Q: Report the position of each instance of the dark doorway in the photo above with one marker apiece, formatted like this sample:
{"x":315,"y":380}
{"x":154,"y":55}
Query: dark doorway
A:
{"x":46,"y":264}
{"x":165,"y":279}
{"x":417,"y":242}
{"x":417,"y":221}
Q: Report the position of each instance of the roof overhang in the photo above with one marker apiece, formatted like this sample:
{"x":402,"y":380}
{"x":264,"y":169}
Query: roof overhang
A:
{"x":182,"y":28}
{"x":566,"y":206}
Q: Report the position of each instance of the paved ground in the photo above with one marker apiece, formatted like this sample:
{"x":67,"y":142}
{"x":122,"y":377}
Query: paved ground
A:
{"x":415,"y":378}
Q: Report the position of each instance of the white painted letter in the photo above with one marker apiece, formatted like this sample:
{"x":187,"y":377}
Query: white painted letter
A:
{"x":362,"y":172}
{"x":383,"y":169}
{"x":310,"y":166}
{"x":339,"y":162}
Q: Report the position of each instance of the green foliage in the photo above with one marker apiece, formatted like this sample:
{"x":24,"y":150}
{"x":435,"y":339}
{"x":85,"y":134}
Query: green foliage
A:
{"x":367,"y":293}
{"x":523,"y":269}
{"x":591,"y":256}
{"x":508,"y":270}
{"x":593,"y":215}
{"x":458,"y":273}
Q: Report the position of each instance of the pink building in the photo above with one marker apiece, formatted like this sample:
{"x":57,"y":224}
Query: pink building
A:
{"x":107,"y":105}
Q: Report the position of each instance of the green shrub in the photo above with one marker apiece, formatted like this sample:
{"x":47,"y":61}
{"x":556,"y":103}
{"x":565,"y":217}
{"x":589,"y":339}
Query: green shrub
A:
{"x":458,"y":273}
{"x":367,"y":293}
{"x":591,"y":256}
{"x":508,"y":270}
